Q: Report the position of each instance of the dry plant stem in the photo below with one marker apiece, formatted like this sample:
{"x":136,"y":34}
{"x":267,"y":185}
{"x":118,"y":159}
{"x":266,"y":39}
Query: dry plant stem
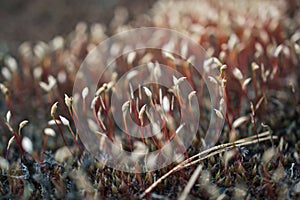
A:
{"x":255,"y":126}
{"x":229,"y":110}
{"x":230,"y":147}
{"x":77,"y":118}
{"x":44,"y":148}
{"x":245,"y":93}
{"x":18,"y":140}
{"x":72,"y":132}
{"x":142,"y":132}
{"x":192,"y":114}
{"x":60,"y":131}
{"x":127,"y":134}
{"x":187,"y":71}
{"x":255,"y":84}
{"x":199,"y":168}
{"x":71,"y":114}
{"x":228,"y":120}
{"x":84,"y":106}
{"x":220,"y":148}
{"x":110,"y":133}
{"x":191,"y":183}
{"x":97,"y":120}
{"x":75,"y":138}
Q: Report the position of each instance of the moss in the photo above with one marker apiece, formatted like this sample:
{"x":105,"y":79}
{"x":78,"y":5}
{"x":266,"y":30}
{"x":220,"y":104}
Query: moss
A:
{"x":251,"y":44}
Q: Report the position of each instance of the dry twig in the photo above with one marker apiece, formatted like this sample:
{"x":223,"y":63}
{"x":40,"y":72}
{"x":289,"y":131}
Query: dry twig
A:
{"x":215,"y":150}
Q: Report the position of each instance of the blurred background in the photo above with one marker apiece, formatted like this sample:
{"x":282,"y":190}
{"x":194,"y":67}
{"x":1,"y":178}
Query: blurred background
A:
{"x":34,"y":20}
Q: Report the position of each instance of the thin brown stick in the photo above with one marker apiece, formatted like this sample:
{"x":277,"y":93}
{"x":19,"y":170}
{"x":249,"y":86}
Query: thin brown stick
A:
{"x":197,"y":172}
{"x":219,"y":149}
{"x":230,"y":147}
{"x":221,"y":146}
{"x":191,"y":183}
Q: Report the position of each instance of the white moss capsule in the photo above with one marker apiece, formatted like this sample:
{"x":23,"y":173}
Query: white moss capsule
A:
{"x":53,"y":109}
{"x":64,"y":120}
{"x":27,"y":145}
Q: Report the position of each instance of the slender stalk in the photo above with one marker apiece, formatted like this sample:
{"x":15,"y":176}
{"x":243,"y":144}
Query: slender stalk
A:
{"x":127,"y":134}
{"x":45,"y":142}
{"x":60,"y":131}
{"x":191,"y":183}
{"x":217,"y":149}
